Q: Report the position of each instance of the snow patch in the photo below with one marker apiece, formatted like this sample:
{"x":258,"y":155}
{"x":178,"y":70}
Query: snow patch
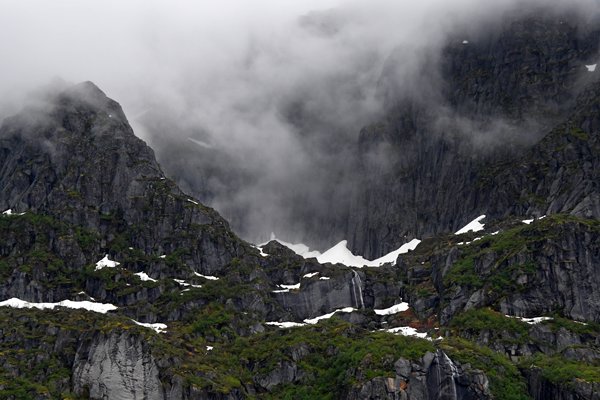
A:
{"x":396,"y":308}
{"x":313,"y":321}
{"x":473,"y":226}
{"x":298,"y":248}
{"x":310,"y":274}
{"x":527,"y":221}
{"x":406,"y":331}
{"x":393,"y":256}
{"x":209,"y":277}
{"x":157,"y":327}
{"x":106,"y":263}
{"x":86,"y":305}
{"x":10,"y":212}
{"x":144,"y":277}
{"x":85,"y":294}
{"x":181,"y":282}
{"x":296,"y":286}
{"x":163,"y":256}
{"x":340,"y":254}
{"x":495,"y":233}
{"x":591,"y":68}
{"x":281,"y":291}
{"x":209,"y":348}
{"x":193,"y":202}
{"x":324,"y":278}
{"x":531,"y":321}
{"x":262,"y":253}
{"x":285,"y":324}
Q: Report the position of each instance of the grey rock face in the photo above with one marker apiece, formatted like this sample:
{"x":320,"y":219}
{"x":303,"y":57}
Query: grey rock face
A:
{"x":565,"y":278}
{"x":284,"y":372}
{"x":436,"y":377}
{"x":423,"y":174}
{"x":77,"y":159}
{"x":323,"y":296}
{"x":542,"y":389}
{"x":116,"y":366}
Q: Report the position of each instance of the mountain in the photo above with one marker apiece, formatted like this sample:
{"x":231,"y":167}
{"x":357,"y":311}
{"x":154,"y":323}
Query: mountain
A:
{"x":517,"y":102}
{"x":117,"y":284}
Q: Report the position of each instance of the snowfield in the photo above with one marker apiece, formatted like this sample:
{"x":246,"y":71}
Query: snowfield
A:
{"x":473,"y":226}
{"x":340,"y":254}
{"x":101,"y":308}
{"x":106,"y":263}
{"x":157,"y":327}
{"x":393,"y":309}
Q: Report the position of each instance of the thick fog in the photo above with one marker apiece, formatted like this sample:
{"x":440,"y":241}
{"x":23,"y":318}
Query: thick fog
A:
{"x":250,"y":105}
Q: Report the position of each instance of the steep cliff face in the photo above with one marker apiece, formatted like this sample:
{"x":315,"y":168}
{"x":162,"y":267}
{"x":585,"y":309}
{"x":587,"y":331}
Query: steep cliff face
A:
{"x":116,"y":366}
{"x":243,"y":322}
{"x":475,"y":146}
{"x":93,"y":218}
{"x":76,"y":159}
{"x":435,"y":376}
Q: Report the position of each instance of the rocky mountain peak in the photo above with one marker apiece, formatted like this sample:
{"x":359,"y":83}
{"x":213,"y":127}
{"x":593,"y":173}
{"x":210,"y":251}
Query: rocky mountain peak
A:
{"x":87,"y":97}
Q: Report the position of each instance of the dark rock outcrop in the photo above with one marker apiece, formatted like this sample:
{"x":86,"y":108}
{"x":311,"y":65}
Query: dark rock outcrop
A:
{"x":436,"y":376}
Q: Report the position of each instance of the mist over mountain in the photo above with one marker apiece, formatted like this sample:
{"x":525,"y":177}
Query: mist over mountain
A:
{"x":257,"y":110}
{"x":430,"y":172}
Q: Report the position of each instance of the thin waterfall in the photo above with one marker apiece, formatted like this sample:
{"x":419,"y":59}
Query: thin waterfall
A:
{"x":454,"y":371}
{"x":357,"y":283}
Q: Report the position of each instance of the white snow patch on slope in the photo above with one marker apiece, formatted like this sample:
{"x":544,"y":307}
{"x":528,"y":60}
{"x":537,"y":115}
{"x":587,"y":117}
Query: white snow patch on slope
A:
{"x":157,"y":327}
{"x":396,"y":308}
{"x":406,"y":331}
{"x":591,"y":68}
{"x":192,"y":201}
{"x":85,"y":294}
{"x":86,"y":305}
{"x":296,"y":286}
{"x":310,"y":274}
{"x":285,"y":324}
{"x":313,"y":321}
{"x":474,"y":226}
{"x":106,"y":263}
{"x":527,"y":221}
{"x":393,"y":256}
{"x":340,"y":254}
{"x":281,"y":291}
{"x":144,"y":277}
{"x":324,"y":278}
{"x":10,"y":212}
{"x":298,"y":248}
{"x":209,"y":277}
{"x":531,"y":321}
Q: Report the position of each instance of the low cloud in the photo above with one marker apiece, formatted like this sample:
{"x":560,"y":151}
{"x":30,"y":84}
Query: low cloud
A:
{"x":252,"y":106}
